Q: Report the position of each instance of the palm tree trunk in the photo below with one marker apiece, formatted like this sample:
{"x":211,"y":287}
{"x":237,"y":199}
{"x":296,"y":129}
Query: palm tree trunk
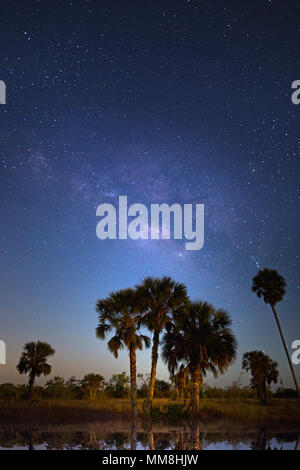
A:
{"x":286,"y":351}
{"x":132,"y":357}
{"x":261,"y":395}
{"x":195,"y":389}
{"x":30,"y":385}
{"x":153,"y":371}
{"x":264,"y":392}
{"x":181,"y":386}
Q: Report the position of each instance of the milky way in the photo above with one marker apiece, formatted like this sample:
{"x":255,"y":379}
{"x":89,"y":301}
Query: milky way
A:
{"x":175,"y":101}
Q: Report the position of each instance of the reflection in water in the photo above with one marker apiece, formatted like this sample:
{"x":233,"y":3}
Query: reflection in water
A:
{"x":149,"y":429}
{"x":196,"y":436}
{"x":297,"y":441}
{"x":133,"y":433}
{"x":191,"y":437}
{"x":261,"y":441}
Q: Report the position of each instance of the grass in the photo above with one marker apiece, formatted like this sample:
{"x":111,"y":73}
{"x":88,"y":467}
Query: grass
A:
{"x":63,"y":411}
{"x":279,"y":412}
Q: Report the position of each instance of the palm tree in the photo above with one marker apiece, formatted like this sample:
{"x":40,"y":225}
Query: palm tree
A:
{"x":180,"y":380}
{"x":201,"y":337}
{"x":34,"y":360}
{"x":118,"y":313}
{"x":93,"y":383}
{"x":271,"y":286}
{"x":159,"y":300}
{"x":263,"y":370}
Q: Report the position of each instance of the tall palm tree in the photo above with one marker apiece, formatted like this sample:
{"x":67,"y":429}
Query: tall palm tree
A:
{"x":34,"y":360}
{"x":201,"y":337}
{"x":159,"y":300}
{"x":118,"y":313}
{"x":263,"y":369}
{"x":271,"y":286}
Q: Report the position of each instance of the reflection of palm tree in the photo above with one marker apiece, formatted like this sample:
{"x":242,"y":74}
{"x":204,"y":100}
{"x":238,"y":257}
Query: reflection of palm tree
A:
{"x":30,"y":441}
{"x":264,"y":371}
{"x":34,"y":360}
{"x":200,"y":336}
{"x":133,"y":433}
{"x":271,"y":286}
{"x":159,"y":299}
{"x":151,"y":440}
{"x":93,"y":442}
{"x":118,"y":440}
{"x":196,"y":436}
{"x":149,"y":430}
{"x":261,"y":441}
{"x":297,"y":441}
{"x":118,"y":313}
{"x":180,"y":441}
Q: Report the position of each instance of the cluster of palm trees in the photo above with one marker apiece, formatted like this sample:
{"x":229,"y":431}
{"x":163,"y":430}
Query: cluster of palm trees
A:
{"x":264,"y":371}
{"x":195,"y":336}
{"x":151,"y":304}
{"x":200,"y":338}
{"x":93,"y":383}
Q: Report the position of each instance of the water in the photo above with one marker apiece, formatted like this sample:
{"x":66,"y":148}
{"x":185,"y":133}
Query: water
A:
{"x":100,"y":438}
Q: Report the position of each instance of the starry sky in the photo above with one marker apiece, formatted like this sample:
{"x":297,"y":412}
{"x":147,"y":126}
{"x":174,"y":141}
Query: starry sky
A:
{"x":167,"y":101}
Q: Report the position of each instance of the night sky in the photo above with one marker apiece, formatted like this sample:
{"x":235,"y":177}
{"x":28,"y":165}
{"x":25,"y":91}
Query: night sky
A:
{"x":166,"y":101}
